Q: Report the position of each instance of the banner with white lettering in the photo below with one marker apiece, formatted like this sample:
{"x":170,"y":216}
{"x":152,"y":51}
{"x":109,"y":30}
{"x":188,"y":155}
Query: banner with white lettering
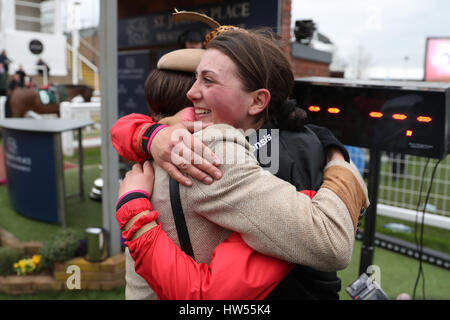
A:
{"x":158,"y":28}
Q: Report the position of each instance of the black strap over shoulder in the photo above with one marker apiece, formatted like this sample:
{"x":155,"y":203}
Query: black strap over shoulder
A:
{"x":178,"y":216}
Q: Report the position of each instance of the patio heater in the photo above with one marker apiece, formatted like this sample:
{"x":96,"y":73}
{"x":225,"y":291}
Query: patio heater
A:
{"x":396,"y":116}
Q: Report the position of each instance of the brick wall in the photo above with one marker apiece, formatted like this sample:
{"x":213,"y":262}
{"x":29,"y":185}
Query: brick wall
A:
{"x":105,"y":275}
{"x":305,"y":68}
{"x":285,"y":27}
{"x":24,"y":247}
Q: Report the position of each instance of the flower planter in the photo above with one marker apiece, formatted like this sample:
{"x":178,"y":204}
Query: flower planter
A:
{"x":105,"y":275}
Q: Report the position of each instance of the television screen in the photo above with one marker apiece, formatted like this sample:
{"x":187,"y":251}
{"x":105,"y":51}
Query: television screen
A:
{"x":437,"y":60}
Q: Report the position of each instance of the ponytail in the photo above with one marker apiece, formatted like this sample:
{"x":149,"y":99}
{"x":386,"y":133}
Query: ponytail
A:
{"x":288,"y":116}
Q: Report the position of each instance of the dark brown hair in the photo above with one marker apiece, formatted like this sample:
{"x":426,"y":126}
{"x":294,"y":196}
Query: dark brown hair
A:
{"x":165,"y":92}
{"x":261,"y":64}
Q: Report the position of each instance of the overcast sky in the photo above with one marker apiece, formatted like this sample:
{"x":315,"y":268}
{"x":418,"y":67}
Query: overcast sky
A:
{"x":382,"y":31}
{"x":89,"y":13}
{"x":386,"y":30}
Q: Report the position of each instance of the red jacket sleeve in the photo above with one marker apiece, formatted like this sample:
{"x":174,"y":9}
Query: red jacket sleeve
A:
{"x":126,"y":136}
{"x":236,"y":272}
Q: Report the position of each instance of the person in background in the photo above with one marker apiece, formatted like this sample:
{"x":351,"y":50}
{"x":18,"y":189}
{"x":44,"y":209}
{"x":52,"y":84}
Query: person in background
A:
{"x":22,"y":76}
{"x":44,"y":64}
{"x":14,"y":83}
{"x":5,"y":60}
{"x":191,"y":39}
{"x":3,"y":80}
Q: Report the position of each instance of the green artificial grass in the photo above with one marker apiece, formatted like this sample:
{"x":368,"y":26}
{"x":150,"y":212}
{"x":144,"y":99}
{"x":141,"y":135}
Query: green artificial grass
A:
{"x":398,"y":275}
{"x":90,"y":156}
{"x":80,"y":213}
{"x":433,"y":238}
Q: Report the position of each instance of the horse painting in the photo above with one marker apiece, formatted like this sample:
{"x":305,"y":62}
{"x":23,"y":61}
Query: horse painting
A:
{"x":22,"y":100}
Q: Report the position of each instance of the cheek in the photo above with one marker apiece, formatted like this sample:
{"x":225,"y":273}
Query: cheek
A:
{"x":229,"y":108}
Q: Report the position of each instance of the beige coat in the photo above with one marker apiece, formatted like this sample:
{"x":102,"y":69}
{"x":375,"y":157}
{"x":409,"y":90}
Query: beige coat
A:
{"x":269,"y":213}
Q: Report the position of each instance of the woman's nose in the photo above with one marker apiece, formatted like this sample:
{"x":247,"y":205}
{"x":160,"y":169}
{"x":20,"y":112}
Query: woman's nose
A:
{"x":194,"y":92}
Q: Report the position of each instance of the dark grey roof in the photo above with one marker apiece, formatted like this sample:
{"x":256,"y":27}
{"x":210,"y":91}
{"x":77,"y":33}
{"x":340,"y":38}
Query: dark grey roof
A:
{"x":308,"y":53}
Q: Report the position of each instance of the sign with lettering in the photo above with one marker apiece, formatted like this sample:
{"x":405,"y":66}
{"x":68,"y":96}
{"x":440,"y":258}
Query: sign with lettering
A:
{"x":158,"y":28}
{"x":133,"y":69}
{"x":36,"y":46}
{"x":31,"y":175}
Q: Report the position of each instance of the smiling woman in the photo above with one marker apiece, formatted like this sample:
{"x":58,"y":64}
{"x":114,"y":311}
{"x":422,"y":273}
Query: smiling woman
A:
{"x":235,"y":87}
{"x":241,"y":75}
{"x":217,"y":93}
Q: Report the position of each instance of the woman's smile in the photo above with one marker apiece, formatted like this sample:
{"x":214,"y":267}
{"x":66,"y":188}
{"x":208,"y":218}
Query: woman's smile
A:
{"x":217,"y":93}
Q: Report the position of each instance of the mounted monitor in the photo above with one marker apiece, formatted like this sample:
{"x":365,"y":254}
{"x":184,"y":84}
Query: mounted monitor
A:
{"x":398,"y":116}
{"x":437,"y":59}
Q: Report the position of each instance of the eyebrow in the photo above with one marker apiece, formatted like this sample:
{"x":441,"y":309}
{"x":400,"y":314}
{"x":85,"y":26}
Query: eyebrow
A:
{"x":203,"y":72}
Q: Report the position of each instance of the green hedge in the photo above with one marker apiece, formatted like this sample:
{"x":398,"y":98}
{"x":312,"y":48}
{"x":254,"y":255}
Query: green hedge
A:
{"x":8,"y":256}
{"x":62,"y":247}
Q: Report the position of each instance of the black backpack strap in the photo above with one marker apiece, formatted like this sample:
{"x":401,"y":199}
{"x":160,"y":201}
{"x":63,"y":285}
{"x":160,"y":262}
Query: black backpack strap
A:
{"x":178,"y":216}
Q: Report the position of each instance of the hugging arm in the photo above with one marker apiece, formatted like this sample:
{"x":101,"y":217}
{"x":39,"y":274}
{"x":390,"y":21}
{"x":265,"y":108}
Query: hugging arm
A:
{"x":269,"y":213}
{"x":133,"y":134}
{"x":174,"y":275}
{"x":275,"y":219}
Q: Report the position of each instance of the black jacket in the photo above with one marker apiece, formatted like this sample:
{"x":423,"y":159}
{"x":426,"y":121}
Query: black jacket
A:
{"x":301,"y":161}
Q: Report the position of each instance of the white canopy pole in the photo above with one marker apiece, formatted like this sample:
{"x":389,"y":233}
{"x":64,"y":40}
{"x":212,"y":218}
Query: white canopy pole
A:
{"x":109,"y":111}
{"x":75,"y":40}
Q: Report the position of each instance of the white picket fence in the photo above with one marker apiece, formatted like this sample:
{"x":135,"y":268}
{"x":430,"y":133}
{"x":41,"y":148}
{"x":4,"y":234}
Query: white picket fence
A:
{"x":85,"y":111}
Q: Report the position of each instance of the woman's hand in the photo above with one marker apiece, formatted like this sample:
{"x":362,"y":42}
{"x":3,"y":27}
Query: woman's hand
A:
{"x":140,"y":177}
{"x":174,"y":148}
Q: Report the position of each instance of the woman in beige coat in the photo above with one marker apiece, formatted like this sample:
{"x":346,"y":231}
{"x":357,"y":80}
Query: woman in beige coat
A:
{"x":271,"y":216}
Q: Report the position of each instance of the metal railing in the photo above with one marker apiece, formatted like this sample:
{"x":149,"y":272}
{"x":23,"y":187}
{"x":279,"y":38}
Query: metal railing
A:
{"x":400,"y":182}
{"x":88,"y":63}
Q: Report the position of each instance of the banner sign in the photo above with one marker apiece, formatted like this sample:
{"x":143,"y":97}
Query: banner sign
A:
{"x":133,"y":69}
{"x":30,"y":171}
{"x":158,"y":29}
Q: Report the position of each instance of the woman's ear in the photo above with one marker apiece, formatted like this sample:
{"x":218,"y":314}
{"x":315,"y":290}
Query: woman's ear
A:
{"x":261,"y":99}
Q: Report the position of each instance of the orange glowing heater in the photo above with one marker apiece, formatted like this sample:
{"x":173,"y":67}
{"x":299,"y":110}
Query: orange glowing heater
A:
{"x":424,"y":119}
{"x":334,"y":110}
{"x":375,"y":114}
{"x":314,"y":108}
{"x":399,"y":116}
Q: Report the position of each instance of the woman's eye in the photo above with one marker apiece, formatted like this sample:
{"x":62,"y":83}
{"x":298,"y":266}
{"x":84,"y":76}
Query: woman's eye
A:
{"x":207,"y":80}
